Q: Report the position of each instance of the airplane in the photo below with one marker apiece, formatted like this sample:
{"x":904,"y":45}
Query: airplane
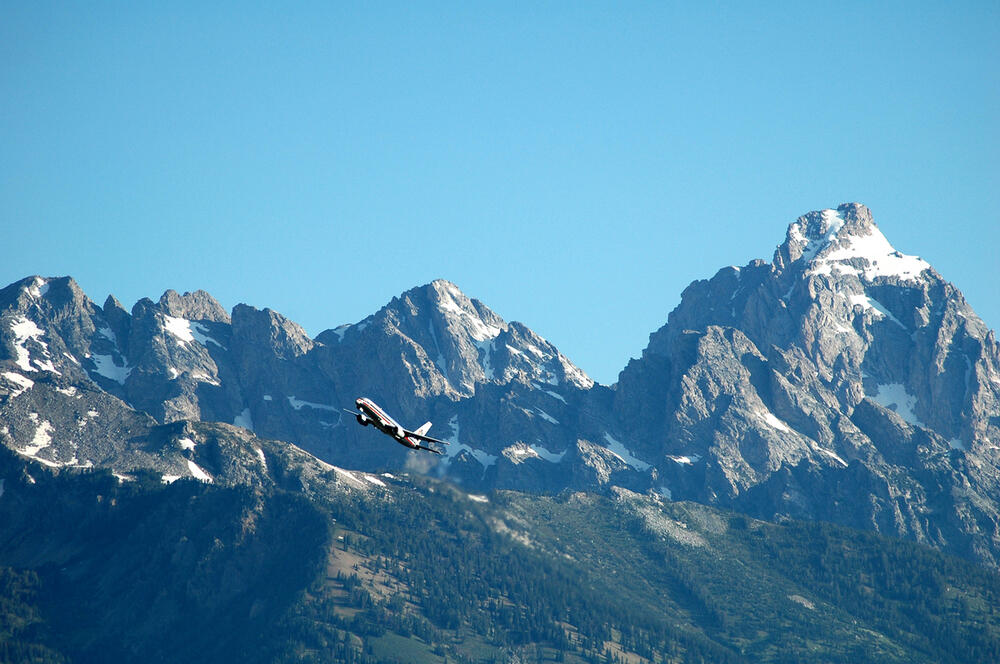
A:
{"x":370,"y":413}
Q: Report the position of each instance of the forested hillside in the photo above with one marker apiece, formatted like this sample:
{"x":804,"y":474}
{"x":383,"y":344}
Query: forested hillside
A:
{"x":421,"y":572}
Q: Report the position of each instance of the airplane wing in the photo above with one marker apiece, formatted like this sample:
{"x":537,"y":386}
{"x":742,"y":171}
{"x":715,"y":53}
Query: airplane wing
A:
{"x":420,"y":436}
{"x":430,"y":449}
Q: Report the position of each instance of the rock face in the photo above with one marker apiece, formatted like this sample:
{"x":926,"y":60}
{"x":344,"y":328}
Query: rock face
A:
{"x":843,"y":381}
{"x":432,"y":352}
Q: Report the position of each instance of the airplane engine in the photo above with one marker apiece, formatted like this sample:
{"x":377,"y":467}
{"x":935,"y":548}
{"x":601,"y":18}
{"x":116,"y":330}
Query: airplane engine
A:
{"x":400,"y":432}
{"x":362,"y":420}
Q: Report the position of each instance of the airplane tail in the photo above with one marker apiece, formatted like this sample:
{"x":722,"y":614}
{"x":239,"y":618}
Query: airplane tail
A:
{"x":424,"y":428}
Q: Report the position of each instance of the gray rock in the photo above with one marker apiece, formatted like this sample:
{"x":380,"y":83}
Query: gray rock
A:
{"x":843,"y":381}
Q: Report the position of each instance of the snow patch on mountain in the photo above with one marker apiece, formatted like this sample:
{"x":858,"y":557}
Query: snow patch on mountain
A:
{"x":244,"y":419}
{"x":455,"y":446}
{"x":42,"y":437}
{"x":179,"y":328}
{"x":520,"y":451}
{"x":299,"y":404}
{"x":551,"y":457}
{"x":108,"y":334}
{"x":187,"y":331}
{"x":832,"y":455}
{"x":25,"y":330}
{"x":894,"y":397}
{"x":46,"y":365}
{"x":554,"y":395}
{"x":55,"y":464}
{"x":200,"y":334}
{"x":349,"y":476}
{"x":484,"y":459}
{"x":202,"y":377}
{"x":879,"y":257}
{"x":878,"y":309}
{"x":22,"y":382}
{"x":105,"y":365}
{"x":772,"y":420}
{"x":803,"y":601}
{"x":545,"y":416}
{"x":619,"y":449}
{"x":374,"y":480}
{"x":198,"y":473}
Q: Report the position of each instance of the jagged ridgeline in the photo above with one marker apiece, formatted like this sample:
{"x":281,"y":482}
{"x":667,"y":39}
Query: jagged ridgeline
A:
{"x":843,"y":382}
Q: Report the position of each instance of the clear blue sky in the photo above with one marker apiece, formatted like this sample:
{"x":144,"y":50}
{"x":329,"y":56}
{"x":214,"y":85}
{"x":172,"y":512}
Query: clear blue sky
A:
{"x":572,"y":165}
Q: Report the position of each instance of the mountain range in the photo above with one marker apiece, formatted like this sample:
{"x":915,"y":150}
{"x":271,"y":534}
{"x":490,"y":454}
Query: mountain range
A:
{"x":842,"y":382}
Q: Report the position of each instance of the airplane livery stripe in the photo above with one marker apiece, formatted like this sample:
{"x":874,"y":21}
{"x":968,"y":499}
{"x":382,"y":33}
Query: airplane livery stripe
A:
{"x":378,"y":411}
{"x":390,"y":427}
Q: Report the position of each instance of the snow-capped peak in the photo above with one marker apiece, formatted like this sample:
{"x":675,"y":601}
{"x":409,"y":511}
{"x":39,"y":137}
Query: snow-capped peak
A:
{"x":869,"y":255}
{"x":845,"y":241}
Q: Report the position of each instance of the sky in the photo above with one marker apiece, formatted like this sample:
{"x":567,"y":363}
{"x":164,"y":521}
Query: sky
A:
{"x":574,"y":166}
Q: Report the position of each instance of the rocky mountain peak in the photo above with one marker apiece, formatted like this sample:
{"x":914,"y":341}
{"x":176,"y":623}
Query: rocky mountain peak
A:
{"x":198,"y":305}
{"x":815,"y":231}
{"x":42,"y":324}
{"x":844,"y":359}
{"x":113,"y":303}
{"x":267,"y":329}
{"x":844,"y":241}
{"x":461,"y":314}
{"x":439,"y":342}
{"x":498,"y":350}
{"x":845,"y":382}
{"x":28,"y":288}
{"x":44,"y":293}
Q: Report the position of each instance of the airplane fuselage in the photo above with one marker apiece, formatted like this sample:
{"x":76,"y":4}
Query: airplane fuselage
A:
{"x":370,"y":413}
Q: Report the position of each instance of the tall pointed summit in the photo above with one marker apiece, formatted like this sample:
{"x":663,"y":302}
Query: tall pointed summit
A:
{"x":825,"y":384}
